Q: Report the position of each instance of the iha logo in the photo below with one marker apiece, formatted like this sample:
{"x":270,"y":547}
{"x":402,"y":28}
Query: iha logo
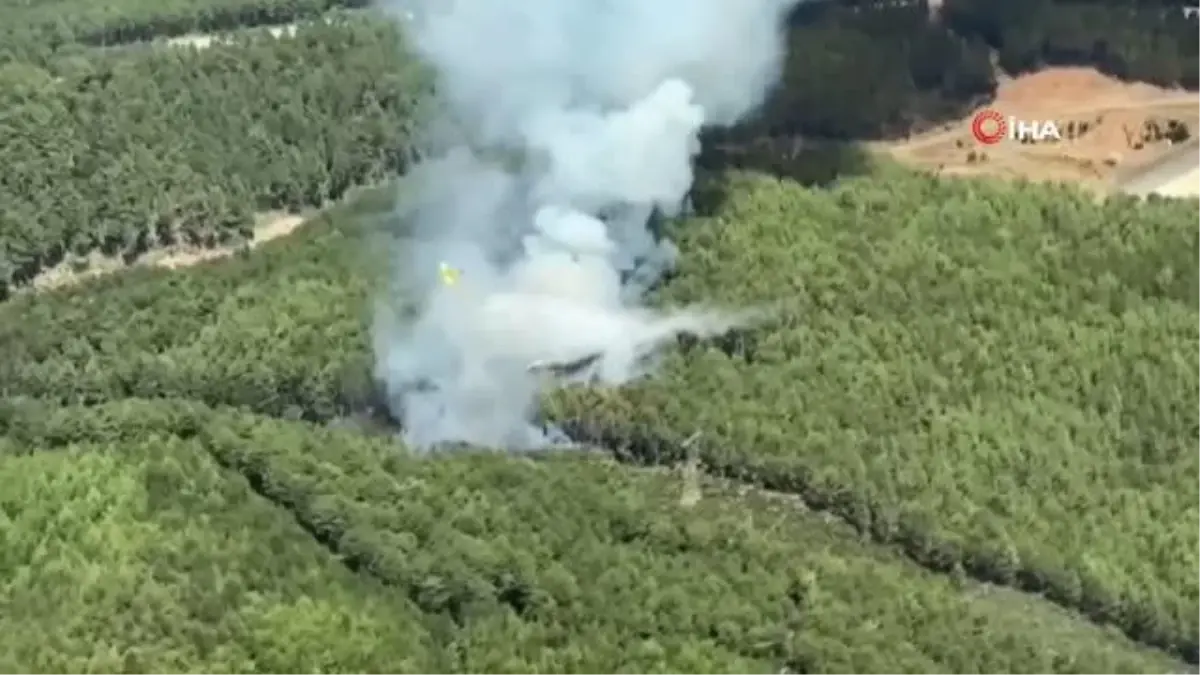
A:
{"x":990,"y":127}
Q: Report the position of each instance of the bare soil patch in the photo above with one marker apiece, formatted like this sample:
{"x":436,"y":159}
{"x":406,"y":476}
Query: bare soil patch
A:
{"x":1113,"y":125}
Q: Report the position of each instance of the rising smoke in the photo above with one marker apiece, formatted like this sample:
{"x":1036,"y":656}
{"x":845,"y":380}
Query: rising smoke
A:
{"x":565,"y":127}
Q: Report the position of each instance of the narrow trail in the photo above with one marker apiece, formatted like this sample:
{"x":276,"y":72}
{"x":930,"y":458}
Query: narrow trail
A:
{"x":270,"y":226}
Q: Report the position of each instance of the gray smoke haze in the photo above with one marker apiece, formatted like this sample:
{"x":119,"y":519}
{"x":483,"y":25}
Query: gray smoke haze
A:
{"x":563,"y":126}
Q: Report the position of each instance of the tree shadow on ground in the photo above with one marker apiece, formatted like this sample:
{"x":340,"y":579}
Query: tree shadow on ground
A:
{"x":811,"y":163}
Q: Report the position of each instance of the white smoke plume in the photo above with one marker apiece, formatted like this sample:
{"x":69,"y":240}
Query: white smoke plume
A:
{"x":565,"y":125}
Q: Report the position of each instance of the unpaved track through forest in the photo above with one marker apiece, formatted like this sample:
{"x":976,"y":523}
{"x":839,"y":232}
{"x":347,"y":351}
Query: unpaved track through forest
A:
{"x":268,"y":226}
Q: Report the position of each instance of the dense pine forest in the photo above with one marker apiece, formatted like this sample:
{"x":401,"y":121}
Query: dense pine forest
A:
{"x":964,"y":443}
{"x":865,"y":69}
{"x":129,"y":151}
{"x":150,"y":146}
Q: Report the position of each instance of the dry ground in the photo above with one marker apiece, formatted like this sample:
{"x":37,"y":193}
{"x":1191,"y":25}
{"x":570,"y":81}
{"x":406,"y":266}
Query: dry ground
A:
{"x":1110,"y":153}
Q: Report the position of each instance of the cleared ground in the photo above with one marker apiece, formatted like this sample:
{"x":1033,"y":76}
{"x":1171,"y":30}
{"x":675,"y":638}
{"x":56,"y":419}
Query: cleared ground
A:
{"x":1112,"y":151}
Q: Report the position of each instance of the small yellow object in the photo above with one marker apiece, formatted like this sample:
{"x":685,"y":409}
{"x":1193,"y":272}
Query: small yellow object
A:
{"x":449,"y":274}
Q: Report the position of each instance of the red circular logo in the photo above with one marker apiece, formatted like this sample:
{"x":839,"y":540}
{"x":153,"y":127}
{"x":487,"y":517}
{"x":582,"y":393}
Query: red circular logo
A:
{"x":988,"y":127}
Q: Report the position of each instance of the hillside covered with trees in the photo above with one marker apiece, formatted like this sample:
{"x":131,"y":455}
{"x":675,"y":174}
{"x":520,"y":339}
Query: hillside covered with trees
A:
{"x":41,"y":32}
{"x":128,"y":149}
{"x":867,"y":69}
{"x":995,"y":384}
{"x":1146,"y":40}
{"x":135,"y":150}
{"x":964,"y":441}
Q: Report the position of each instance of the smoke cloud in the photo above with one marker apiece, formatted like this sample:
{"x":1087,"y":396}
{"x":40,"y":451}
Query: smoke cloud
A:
{"x":564,"y":129}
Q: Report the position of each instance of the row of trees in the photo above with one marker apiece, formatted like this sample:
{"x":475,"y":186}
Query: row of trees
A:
{"x":862,"y":74}
{"x":136,"y":552}
{"x":1154,"y":42}
{"x":999,"y":380}
{"x":476,"y":563}
{"x":128,"y":151}
{"x":38,"y":31}
{"x":856,"y":68}
{"x":866,"y":69}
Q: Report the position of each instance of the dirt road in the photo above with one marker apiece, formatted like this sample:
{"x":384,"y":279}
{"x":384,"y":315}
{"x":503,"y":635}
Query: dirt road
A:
{"x":1175,"y":174}
{"x":270,"y":226}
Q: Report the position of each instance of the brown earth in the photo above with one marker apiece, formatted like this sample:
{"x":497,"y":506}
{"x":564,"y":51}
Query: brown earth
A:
{"x":1113,"y":146}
